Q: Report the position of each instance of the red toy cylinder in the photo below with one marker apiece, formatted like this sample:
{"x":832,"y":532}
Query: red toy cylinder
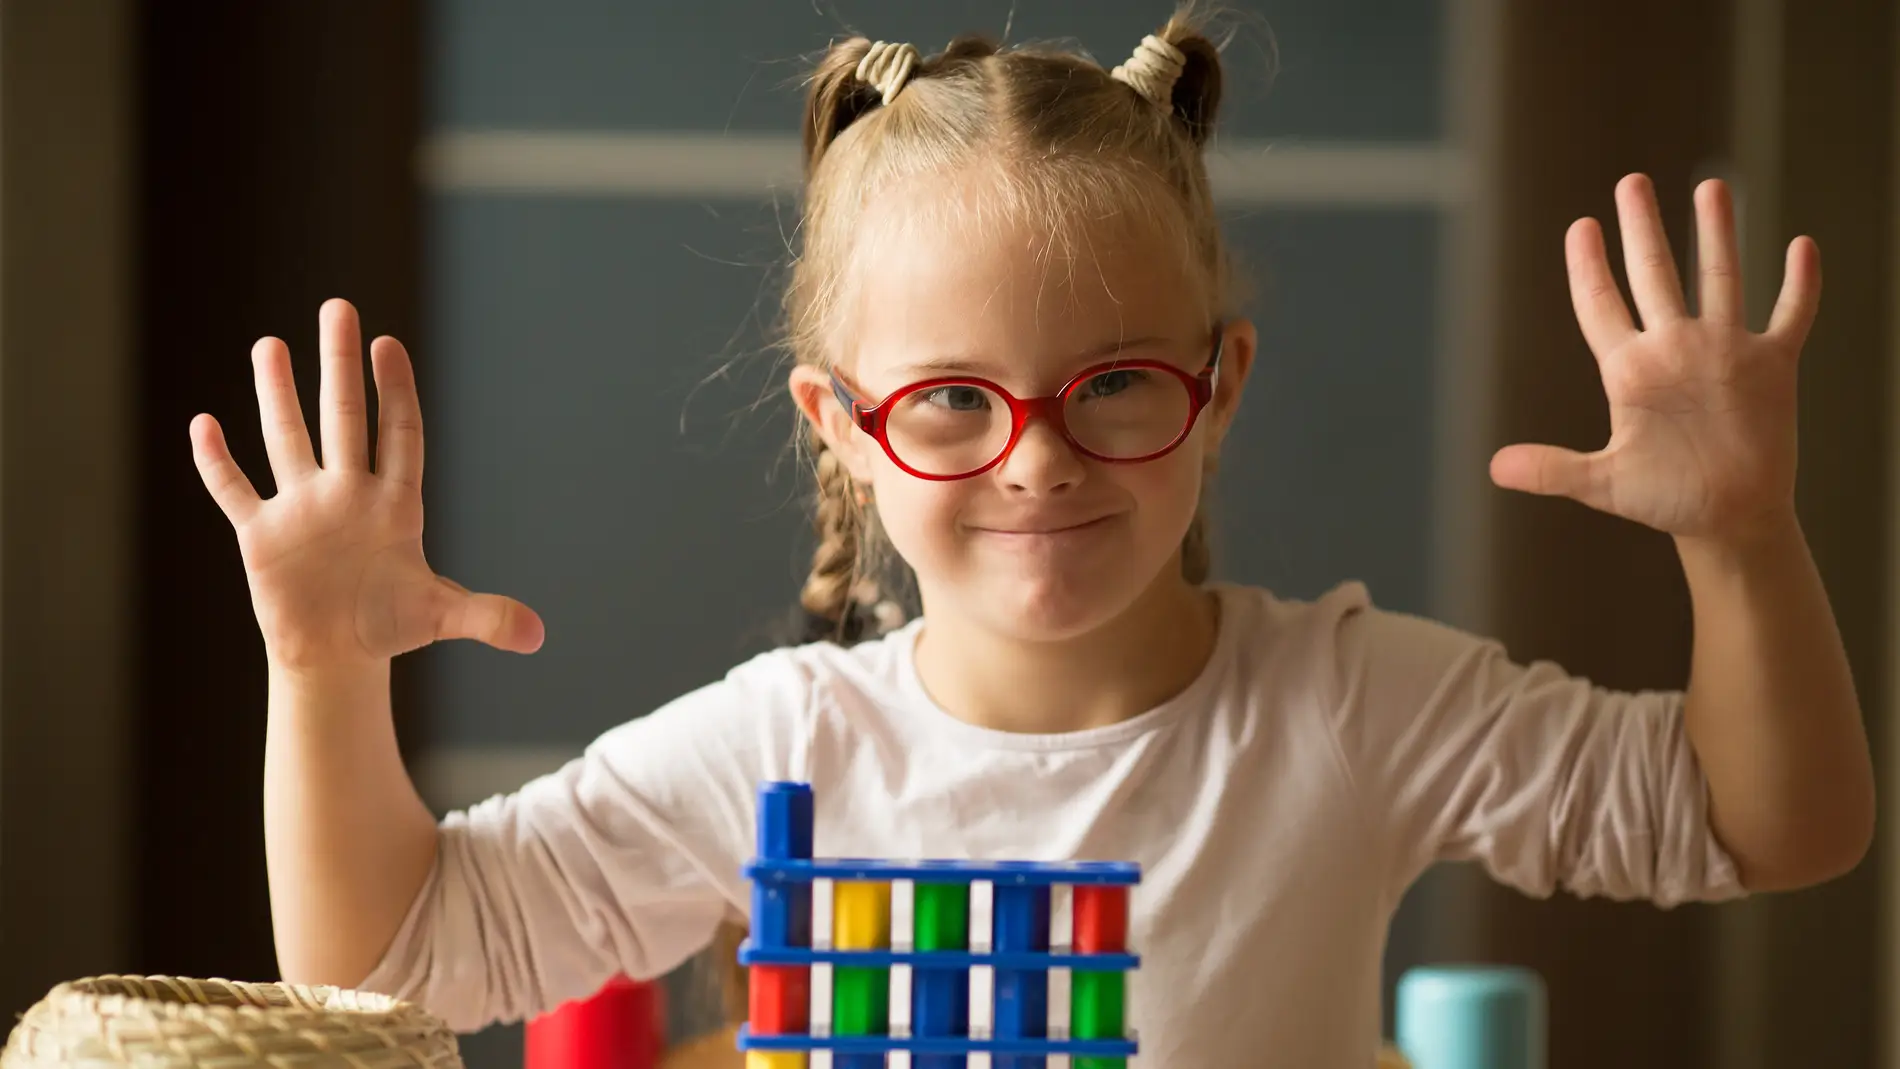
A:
{"x":1101,"y":919}
{"x":622,"y":1026}
{"x":780,"y":1000}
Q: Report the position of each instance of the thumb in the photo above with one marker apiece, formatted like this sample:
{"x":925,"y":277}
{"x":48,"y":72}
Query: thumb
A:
{"x":491,"y":619}
{"x":1552,"y":471}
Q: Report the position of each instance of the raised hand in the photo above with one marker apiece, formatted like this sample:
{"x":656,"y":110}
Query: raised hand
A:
{"x":1702,"y":410}
{"x":334,"y":558}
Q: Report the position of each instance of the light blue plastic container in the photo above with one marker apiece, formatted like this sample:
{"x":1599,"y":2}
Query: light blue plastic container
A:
{"x":1471,"y":1017}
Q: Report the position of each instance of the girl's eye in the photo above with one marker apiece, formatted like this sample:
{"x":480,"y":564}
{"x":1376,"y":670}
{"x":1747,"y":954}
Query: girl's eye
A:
{"x":957,"y":398}
{"x":1110,"y":383}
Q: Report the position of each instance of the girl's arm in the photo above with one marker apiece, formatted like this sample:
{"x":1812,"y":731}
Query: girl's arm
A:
{"x":340,"y":586}
{"x":347,"y":840}
{"x":1702,"y":447}
{"x":626,"y":860}
{"x":1772,"y":711}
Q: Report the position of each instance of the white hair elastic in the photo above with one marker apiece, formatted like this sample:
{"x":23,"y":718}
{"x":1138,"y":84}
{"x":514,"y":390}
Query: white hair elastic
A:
{"x":886,"y":67}
{"x":1153,"y":70}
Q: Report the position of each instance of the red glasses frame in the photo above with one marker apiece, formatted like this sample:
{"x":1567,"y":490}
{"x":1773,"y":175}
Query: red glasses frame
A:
{"x":870,"y":417}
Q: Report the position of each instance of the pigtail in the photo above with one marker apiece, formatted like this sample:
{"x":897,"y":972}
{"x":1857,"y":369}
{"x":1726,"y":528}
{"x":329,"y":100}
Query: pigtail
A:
{"x":843,"y":599}
{"x":827,"y":596}
{"x":1195,"y":98}
{"x":1178,"y":69}
{"x":858,"y":75}
{"x":836,"y":98}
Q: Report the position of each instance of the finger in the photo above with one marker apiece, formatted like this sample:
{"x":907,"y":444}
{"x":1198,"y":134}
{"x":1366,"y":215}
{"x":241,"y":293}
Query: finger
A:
{"x":340,"y":399}
{"x":497,"y":621}
{"x":1800,"y":294}
{"x":399,"y":413}
{"x":286,"y":437}
{"x":1720,"y":274}
{"x":229,"y":488}
{"x":1646,"y":256}
{"x":1601,"y":310}
{"x":1552,"y":471}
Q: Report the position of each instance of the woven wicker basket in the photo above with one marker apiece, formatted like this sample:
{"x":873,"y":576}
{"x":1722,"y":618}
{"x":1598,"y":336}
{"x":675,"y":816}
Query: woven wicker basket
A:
{"x":163,"y":1022}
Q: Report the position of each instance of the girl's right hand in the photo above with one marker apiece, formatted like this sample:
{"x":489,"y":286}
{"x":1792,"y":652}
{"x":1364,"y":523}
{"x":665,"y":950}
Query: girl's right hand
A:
{"x":335,"y":563}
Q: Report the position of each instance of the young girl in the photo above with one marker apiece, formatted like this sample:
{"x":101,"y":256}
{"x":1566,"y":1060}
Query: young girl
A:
{"x":1018,"y":354}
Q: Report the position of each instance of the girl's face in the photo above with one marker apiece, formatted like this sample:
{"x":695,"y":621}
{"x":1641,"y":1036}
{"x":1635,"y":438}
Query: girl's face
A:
{"x":1048,"y":544}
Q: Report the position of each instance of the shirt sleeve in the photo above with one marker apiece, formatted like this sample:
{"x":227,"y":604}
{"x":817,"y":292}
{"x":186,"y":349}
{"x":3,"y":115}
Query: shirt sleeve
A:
{"x":1543,"y":778}
{"x":624,"y":861}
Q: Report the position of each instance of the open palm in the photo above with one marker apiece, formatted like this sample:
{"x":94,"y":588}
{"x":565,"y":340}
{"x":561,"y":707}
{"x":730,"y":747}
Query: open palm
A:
{"x":1702,"y":410}
{"x":334,"y":559}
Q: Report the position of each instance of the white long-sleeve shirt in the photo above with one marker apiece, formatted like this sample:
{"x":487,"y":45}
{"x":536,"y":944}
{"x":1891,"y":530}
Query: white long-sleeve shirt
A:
{"x":1279,"y":806}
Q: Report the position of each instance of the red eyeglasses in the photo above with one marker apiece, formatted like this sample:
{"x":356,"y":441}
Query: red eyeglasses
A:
{"x":1121,"y":412}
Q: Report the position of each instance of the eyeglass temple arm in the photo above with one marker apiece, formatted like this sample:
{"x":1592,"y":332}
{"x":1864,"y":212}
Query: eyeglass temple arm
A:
{"x":843,"y":394}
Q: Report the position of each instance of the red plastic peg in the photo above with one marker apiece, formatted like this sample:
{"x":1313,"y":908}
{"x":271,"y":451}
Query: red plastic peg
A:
{"x":1101,"y":919}
{"x":779,"y":1000}
{"x":622,"y":1026}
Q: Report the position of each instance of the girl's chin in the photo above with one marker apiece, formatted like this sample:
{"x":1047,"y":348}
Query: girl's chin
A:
{"x":1036,"y":606}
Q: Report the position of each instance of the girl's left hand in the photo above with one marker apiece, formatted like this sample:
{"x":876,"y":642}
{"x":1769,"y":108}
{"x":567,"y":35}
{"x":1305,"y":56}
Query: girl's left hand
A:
{"x":1702,"y":410}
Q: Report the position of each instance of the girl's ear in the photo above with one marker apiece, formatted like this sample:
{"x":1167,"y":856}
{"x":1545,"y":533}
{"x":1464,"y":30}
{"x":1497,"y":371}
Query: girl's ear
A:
{"x":811,"y":392}
{"x":1238,"y":342}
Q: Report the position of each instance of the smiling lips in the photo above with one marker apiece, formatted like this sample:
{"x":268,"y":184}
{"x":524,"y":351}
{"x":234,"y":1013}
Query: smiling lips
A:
{"x":1035,"y":529}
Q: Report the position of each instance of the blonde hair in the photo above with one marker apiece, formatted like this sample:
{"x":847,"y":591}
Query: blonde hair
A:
{"x":1070,"y":145}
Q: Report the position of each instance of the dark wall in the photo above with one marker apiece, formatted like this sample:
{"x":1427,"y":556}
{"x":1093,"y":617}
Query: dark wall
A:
{"x":1605,"y":598}
{"x":275,"y":172}
{"x":1594,"y":92}
{"x":1818,"y":953}
{"x":65,"y":477}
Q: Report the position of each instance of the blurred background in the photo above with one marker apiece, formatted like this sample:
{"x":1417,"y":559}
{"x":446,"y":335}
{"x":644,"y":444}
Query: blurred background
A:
{"x":574,"y":213}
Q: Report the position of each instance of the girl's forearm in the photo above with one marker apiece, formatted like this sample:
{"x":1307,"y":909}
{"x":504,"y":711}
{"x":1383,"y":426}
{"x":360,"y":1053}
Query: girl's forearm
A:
{"x":348,"y":841}
{"x":1772,"y":711}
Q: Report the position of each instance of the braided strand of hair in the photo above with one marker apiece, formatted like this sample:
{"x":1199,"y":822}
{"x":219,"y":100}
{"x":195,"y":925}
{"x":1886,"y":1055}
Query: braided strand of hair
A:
{"x":835,"y":566}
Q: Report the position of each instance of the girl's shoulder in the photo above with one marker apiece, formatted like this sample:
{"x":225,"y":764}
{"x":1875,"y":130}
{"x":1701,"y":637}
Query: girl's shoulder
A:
{"x":1343,"y":633}
{"x":1325,"y":646}
{"x":1261,"y":617}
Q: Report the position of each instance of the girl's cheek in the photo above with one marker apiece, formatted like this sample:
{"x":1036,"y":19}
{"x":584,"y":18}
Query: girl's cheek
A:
{"x":1176,"y":479}
{"x":917,"y":515}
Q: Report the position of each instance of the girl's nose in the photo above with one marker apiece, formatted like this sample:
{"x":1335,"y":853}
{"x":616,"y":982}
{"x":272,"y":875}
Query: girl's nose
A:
{"x":1041,"y":462}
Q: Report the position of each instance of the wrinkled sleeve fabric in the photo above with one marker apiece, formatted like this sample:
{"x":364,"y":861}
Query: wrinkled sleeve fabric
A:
{"x":624,"y":861}
{"x":1546,"y":780}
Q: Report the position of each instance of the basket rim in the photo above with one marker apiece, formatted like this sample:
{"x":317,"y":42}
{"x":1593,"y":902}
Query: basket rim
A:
{"x":152,"y":1020}
{"x":118,"y":994}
